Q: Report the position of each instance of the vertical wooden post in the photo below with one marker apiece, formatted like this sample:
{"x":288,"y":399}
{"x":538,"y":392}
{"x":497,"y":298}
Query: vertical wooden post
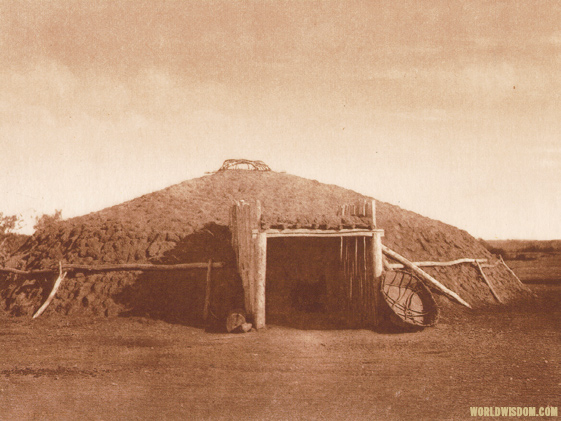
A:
{"x":373,"y":212}
{"x":248,"y":243}
{"x":377,"y":268}
{"x":246,"y":218}
{"x":208,"y":290}
{"x":254,"y":223}
{"x":243,"y":253}
{"x":377,"y":252}
{"x":260,"y":261}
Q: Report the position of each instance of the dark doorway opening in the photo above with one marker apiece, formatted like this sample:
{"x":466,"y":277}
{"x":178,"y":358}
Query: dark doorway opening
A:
{"x":309,"y":285}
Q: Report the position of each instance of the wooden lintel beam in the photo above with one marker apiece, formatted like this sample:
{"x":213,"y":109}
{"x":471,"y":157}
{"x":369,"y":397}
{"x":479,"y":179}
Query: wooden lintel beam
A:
{"x":271,"y":233}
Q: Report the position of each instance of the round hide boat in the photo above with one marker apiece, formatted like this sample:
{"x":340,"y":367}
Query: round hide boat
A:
{"x":410,"y":301}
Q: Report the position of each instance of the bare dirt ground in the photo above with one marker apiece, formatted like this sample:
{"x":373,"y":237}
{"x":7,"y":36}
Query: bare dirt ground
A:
{"x":134,"y":368}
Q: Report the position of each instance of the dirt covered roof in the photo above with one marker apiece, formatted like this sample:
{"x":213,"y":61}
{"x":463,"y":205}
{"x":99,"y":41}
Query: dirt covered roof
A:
{"x":188,"y":222}
{"x":150,"y":227}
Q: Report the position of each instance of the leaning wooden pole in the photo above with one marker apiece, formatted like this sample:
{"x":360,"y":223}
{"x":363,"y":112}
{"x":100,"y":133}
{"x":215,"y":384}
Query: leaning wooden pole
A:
{"x":511,"y":271}
{"x":424,"y":275}
{"x":487,"y":282}
{"x":56,"y":286}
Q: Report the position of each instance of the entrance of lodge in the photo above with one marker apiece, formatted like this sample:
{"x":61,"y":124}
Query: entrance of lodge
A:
{"x":319,"y":282}
{"x":311,"y":269}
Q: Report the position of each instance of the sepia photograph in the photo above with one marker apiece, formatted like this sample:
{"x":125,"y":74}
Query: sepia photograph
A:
{"x":280,"y":209}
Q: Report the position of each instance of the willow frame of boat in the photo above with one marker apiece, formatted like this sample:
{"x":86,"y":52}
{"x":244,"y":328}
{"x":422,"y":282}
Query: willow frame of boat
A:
{"x":409,"y":299}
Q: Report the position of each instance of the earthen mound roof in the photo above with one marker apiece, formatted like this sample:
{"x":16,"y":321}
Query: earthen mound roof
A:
{"x":147,"y":227}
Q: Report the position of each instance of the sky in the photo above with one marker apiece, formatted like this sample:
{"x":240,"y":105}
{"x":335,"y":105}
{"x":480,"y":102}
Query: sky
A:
{"x":449,"y":109}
